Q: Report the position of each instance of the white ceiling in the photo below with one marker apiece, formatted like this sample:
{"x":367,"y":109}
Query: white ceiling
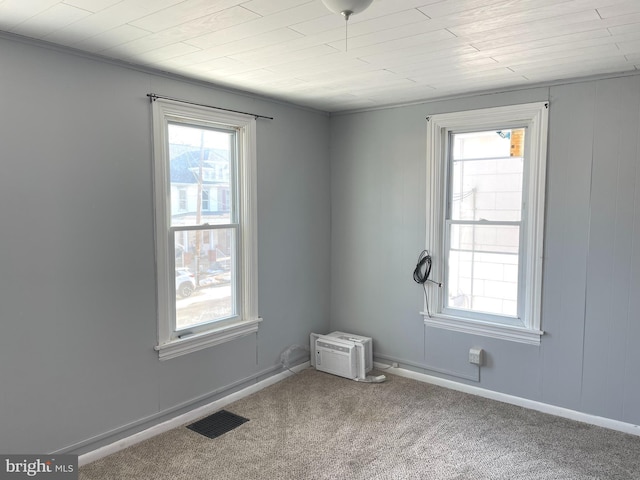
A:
{"x":399,"y":51}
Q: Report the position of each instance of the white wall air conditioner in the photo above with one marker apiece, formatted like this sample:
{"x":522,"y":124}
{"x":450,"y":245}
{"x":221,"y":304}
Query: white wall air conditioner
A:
{"x":343,"y":354}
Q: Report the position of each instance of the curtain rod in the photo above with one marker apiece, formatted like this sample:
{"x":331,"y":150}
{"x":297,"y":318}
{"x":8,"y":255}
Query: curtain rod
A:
{"x":153,"y":97}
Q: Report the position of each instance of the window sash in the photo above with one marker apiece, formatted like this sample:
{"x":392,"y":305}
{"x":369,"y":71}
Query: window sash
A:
{"x":472,"y":313}
{"x":235,"y":153}
{"x":176,"y":331}
{"x":447,"y":248}
{"x":235,"y":284}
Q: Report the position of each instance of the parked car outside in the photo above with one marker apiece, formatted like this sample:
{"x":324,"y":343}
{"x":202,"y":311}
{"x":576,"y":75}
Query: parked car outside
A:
{"x":185,"y":282}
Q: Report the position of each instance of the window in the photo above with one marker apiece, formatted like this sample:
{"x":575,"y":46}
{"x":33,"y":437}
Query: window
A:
{"x":182,"y":199}
{"x":206,"y":258}
{"x":485,"y":213}
{"x":223,"y":199}
{"x":205,"y":200}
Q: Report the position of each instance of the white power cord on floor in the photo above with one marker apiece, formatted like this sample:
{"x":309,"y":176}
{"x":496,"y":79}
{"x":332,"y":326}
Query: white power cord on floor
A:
{"x":371,"y":379}
{"x":285,"y":357}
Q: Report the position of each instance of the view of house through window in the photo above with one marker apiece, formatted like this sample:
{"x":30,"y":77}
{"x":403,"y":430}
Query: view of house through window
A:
{"x":483,"y":224}
{"x":203,"y":223}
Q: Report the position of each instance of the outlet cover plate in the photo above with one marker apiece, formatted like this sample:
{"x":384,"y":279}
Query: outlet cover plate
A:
{"x":475,"y":355}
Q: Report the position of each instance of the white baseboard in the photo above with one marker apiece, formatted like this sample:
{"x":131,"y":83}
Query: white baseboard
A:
{"x":513,"y":400}
{"x":185,"y":417}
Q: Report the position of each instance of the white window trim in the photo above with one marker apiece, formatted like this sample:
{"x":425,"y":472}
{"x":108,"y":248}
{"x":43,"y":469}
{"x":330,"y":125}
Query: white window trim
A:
{"x":247,"y":324}
{"x":535,"y":117}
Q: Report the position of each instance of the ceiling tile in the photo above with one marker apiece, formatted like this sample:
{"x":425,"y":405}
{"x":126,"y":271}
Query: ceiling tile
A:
{"x":111,"y":38}
{"x":456,"y":12}
{"x":184,"y":32}
{"x":189,"y":10}
{"x":629,"y":47}
{"x":430,"y":70}
{"x":107,"y":19}
{"x":579,"y":67}
{"x":311,"y":68}
{"x":622,"y":29}
{"x":488,"y":22}
{"x":521,"y":42}
{"x":597,"y":46}
{"x":260,"y":25}
{"x":274,"y":37}
{"x":548,"y":27}
{"x":47,"y":21}
{"x":285,"y":48}
{"x":91,"y":5}
{"x":14,"y":12}
{"x":567,"y":62}
{"x":268,"y":7}
{"x":619,"y":8}
{"x":393,"y":59}
{"x":168,"y":52}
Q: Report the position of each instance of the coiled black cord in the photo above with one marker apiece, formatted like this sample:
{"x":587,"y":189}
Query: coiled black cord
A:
{"x":421,"y":275}
{"x":423,"y":268}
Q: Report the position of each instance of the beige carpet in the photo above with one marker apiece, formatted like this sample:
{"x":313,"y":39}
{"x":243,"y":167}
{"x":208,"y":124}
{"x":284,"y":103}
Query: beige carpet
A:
{"x":318,"y":426}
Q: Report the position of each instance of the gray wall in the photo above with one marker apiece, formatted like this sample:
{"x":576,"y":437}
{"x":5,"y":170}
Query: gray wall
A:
{"x":77,"y":290}
{"x":591,"y":284}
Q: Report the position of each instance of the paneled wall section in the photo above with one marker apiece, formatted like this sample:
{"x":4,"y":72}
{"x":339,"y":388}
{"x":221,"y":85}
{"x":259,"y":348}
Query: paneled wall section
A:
{"x":591,"y":283}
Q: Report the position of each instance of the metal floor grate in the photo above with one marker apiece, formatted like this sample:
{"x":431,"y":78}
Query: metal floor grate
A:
{"x":217,"y":424}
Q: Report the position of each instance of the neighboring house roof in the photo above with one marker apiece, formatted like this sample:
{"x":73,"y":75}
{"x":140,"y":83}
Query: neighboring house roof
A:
{"x":185,"y":162}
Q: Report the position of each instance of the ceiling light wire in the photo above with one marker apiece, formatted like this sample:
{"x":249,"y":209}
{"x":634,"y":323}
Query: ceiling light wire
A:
{"x":346,"y":14}
{"x":346,"y":8}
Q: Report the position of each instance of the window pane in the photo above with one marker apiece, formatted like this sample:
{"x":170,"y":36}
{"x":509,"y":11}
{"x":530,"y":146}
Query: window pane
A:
{"x":201,"y":171}
{"x":485,"y":238}
{"x":205,"y":276}
{"x":489,"y":144}
{"x":491,"y":188}
{"x":483,"y":282}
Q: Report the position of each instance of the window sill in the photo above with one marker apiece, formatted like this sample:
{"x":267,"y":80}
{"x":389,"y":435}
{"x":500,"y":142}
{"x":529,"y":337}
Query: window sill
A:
{"x":193,"y":343}
{"x":485,"y":329}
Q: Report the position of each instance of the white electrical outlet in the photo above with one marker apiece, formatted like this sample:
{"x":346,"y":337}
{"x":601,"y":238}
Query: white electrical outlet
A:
{"x":475,"y":355}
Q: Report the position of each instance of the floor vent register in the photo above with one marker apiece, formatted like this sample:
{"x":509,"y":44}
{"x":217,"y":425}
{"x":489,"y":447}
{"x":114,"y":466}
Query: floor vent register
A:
{"x":217,"y":424}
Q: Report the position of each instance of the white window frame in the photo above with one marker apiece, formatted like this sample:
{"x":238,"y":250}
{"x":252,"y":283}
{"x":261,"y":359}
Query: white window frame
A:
{"x":169,"y":343}
{"x":533,"y":116}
